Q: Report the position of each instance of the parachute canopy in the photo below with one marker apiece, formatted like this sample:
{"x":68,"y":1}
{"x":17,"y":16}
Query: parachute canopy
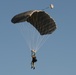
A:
{"x":39,"y":19}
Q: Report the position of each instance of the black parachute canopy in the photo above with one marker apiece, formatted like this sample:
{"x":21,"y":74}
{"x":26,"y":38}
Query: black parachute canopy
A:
{"x":39,"y":19}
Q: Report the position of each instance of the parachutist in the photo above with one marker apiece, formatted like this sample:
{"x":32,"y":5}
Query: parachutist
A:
{"x":33,"y":55}
{"x":41,"y":21}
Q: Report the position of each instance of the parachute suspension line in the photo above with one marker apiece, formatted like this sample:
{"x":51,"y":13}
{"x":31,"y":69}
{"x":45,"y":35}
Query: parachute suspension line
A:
{"x":42,"y":41}
{"x":29,"y":35}
{"x":24,"y":33}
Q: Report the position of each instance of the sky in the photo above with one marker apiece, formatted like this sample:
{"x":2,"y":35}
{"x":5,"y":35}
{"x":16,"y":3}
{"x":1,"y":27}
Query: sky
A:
{"x":56,"y":57}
